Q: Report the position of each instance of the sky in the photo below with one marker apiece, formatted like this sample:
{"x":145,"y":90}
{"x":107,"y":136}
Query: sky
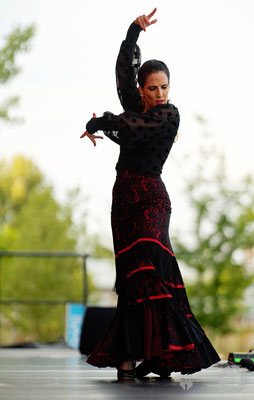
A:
{"x":69,"y":73}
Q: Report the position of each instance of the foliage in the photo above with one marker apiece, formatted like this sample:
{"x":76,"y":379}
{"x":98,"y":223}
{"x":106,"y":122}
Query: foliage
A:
{"x":101,"y":251}
{"x":31,"y":219}
{"x":222,"y":232}
{"x":17,"y":41}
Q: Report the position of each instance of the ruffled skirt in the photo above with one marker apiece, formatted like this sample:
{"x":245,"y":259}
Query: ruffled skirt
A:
{"x":153,"y":320}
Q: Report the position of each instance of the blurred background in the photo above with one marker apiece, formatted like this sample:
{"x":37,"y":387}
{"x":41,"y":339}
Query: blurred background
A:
{"x":57,"y":65}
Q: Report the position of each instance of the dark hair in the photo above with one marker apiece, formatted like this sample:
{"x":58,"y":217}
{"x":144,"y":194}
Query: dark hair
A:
{"x":148,"y":68}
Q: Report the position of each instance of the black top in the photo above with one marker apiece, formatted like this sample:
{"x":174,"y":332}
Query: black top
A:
{"x":145,"y":139}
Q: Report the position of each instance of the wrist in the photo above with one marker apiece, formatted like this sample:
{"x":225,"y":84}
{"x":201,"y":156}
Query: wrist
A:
{"x":91,"y":126}
{"x":133,"y":32}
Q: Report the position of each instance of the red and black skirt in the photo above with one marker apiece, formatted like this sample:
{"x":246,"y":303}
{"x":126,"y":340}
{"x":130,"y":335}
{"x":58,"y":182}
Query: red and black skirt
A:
{"x":153,"y":320}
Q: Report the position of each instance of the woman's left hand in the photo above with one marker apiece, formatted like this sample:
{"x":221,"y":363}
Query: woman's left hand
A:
{"x":92,"y":137}
{"x":144,"y":20}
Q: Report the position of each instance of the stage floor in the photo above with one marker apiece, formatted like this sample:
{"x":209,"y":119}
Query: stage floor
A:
{"x":54,"y":373}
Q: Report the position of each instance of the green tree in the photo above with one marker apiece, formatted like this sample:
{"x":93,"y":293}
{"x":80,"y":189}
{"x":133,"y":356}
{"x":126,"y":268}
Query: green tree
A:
{"x":31,"y":219}
{"x":17,"y":41}
{"x":222,"y":233}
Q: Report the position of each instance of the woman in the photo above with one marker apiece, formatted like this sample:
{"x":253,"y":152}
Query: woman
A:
{"x":153,"y":320}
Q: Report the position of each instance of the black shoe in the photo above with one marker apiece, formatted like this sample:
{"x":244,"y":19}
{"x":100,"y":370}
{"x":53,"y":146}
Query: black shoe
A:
{"x":144,"y":368}
{"x":163,"y":373}
{"x":125,"y":374}
{"x":148,"y":366}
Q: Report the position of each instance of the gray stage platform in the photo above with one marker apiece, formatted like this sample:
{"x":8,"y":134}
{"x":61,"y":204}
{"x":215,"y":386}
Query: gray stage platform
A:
{"x":55,"y":373}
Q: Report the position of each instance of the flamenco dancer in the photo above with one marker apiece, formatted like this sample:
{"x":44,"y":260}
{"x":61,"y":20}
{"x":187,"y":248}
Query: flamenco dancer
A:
{"x":153,"y":322}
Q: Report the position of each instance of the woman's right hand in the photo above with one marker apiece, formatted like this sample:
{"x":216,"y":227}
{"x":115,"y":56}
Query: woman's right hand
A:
{"x":92,"y":137}
{"x":143,"y":20}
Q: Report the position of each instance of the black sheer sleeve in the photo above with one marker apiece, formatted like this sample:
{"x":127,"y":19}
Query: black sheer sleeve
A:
{"x":130,"y":129}
{"x":127,"y":65}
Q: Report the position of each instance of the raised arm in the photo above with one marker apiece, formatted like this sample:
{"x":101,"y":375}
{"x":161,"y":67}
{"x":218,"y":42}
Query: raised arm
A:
{"x":128,"y":63}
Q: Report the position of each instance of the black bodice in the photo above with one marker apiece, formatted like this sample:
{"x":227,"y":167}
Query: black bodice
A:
{"x":145,"y":138}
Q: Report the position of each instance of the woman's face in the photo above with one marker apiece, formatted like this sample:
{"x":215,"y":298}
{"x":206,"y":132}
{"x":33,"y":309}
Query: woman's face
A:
{"x":155,"y":90}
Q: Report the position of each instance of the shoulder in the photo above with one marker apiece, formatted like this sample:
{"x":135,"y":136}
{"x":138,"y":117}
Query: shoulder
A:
{"x":165,"y":114}
{"x":168,"y":114}
{"x":168,"y":109}
{"x":160,"y":109}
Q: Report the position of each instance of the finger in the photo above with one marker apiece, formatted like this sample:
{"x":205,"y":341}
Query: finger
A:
{"x":152,"y":13}
{"x":91,"y":137}
{"x":98,"y":137}
{"x":153,"y":21}
{"x":146,"y":20}
{"x":83,"y":134}
{"x":94,"y":115}
{"x":144,"y":24}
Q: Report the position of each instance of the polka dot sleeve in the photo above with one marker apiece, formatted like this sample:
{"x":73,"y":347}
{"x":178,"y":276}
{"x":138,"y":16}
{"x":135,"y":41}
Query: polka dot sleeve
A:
{"x":130,"y":129}
{"x":127,"y":65}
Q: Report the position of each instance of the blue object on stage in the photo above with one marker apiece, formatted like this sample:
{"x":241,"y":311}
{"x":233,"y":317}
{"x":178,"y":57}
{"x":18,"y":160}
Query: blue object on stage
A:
{"x":74,"y":317}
